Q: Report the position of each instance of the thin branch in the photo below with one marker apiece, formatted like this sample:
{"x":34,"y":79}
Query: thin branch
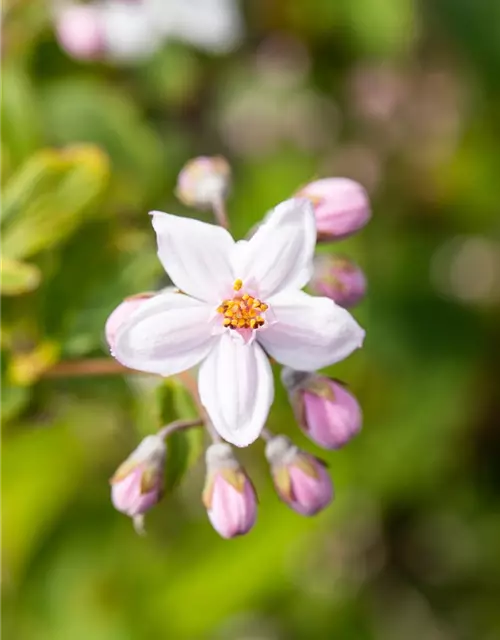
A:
{"x":87,"y":367}
{"x":110,"y":367}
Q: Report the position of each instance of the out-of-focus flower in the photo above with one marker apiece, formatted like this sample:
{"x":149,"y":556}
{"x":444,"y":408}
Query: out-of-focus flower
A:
{"x":121,"y":314}
{"x":341,"y":206}
{"x":228,"y":494}
{"x":130,"y":31}
{"x":301,"y":480}
{"x":338,"y":278}
{"x":137,"y":484}
{"x":328,"y":414}
{"x":243,"y":302}
{"x":80,"y":32}
{"x":204,"y":181}
{"x":127,"y":31}
{"x":467,"y":268}
{"x":213,"y":25}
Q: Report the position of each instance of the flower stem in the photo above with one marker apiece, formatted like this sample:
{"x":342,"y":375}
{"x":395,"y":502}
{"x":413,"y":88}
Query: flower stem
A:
{"x":220,"y":213}
{"x":212,"y":432}
{"x":178,"y":425}
{"x":266,"y":435}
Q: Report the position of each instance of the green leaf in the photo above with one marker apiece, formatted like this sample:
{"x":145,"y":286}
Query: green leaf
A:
{"x":18,"y":277}
{"x":20,"y":116}
{"x":93,"y":111}
{"x":14,"y":400}
{"x":184,"y":447}
{"x":50,"y":197}
{"x":42,"y":470}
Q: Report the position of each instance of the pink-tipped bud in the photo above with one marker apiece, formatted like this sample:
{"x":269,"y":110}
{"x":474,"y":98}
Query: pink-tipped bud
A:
{"x":204,"y":181}
{"x":327,"y":413}
{"x":339,"y":279}
{"x":341,"y":207}
{"x":137,"y":484}
{"x":301,"y":480}
{"x":121,"y":314}
{"x":228,"y":495}
{"x":80,"y":32}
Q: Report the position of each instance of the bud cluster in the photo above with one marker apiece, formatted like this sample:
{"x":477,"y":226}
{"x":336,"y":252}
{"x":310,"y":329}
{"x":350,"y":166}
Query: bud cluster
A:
{"x":325,"y":410}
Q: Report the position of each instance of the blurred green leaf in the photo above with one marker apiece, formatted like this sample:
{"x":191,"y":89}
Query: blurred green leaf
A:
{"x":91,"y":111}
{"x":27,"y":366}
{"x":183,"y":447}
{"x":14,"y":399}
{"x":50,"y":197}
{"x":41,"y":470}
{"x":21,"y":126}
{"x":18,"y":277}
{"x":381,"y":27}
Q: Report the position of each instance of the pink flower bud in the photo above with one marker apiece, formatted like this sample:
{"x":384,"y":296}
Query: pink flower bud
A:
{"x":138,"y":482}
{"x":328,"y":414}
{"x":339,"y":279}
{"x":204,"y":181}
{"x":228,"y":494}
{"x":79,"y":31}
{"x":341,"y":206}
{"x":301,"y":480}
{"x":121,"y":314}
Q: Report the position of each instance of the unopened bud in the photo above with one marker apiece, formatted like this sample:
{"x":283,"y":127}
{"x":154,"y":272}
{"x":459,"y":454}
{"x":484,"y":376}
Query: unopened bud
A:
{"x":339,"y":279}
{"x":228,"y":496}
{"x":341,"y":207}
{"x":204,"y":181}
{"x":301,"y":480}
{"x":121,"y":314}
{"x":137,"y":484}
{"x":327,"y":413}
{"x":79,"y":31}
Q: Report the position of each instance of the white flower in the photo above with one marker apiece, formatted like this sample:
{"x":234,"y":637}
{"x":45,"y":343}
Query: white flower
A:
{"x":240,"y":302}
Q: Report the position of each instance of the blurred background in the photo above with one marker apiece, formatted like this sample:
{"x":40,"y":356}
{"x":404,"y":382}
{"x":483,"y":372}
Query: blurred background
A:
{"x":101,"y":108}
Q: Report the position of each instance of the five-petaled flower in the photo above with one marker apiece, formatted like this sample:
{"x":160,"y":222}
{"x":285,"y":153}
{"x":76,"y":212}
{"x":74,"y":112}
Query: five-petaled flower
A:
{"x":238,"y":303}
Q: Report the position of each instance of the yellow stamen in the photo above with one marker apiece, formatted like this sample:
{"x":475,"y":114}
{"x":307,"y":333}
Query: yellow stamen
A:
{"x":242,"y":311}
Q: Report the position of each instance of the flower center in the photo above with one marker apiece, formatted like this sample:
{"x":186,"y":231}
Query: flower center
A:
{"x":242,"y":311}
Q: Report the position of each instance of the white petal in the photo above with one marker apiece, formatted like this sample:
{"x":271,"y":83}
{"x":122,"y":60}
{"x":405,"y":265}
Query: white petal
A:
{"x":196,"y":255}
{"x":309,"y":332}
{"x":167,"y":334}
{"x":279,"y":255}
{"x":236,"y":387}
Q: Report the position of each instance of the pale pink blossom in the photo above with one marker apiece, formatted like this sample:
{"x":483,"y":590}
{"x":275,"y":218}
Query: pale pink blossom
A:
{"x":301,"y":480}
{"x":341,"y":206}
{"x":228,"y":494}
{"x":240,"y":303}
